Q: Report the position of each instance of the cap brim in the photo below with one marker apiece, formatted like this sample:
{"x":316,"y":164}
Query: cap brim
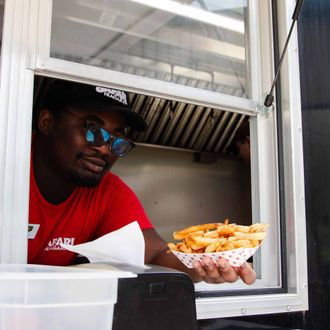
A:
{"x":134,"y":120}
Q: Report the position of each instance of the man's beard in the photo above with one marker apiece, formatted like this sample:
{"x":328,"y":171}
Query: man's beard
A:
{"x":85,"y":180}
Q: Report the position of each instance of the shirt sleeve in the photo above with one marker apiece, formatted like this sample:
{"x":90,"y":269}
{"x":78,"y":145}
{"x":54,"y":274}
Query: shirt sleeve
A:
{"x":122,"y":207}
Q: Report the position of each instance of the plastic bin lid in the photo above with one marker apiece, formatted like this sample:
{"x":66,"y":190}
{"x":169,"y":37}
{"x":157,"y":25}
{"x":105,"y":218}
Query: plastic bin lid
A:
{"x":29,"y":271}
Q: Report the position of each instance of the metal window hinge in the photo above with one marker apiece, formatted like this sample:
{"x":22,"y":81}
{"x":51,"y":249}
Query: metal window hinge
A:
{"x":265,"y":111}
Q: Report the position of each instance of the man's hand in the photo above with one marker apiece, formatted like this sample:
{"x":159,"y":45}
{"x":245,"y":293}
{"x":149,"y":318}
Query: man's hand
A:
{"x":222,"y":271}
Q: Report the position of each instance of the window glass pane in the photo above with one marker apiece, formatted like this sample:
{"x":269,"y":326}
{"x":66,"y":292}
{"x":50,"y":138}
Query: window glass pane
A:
{"x":202,"y":43}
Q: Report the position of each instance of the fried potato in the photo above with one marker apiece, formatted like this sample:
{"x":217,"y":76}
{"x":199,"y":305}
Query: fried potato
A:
{"x":258,"y":227}
{"x":185,"y":248}
{"x":211,"y":234}
{"x":244,"y":243}
{"x":254,"y":242}
{"x":185,"y":232}
{"x":212,"y":247}
{"x":216,"y":237}
{"x":205,"y":241}
{"x":226,"y":230}
{"x":259,"y":236}
{"x":172,"y":246}
{"x":197,"y":247}
{"x":242,"y":229}
{"x":197,"y":233}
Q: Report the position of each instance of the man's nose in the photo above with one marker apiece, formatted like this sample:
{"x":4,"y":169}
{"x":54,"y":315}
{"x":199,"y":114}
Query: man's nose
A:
{"x":104,"y":149}
{"x":106,"y":154}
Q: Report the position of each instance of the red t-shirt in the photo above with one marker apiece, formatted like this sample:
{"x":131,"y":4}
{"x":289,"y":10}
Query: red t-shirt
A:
{"x":87,"y":214}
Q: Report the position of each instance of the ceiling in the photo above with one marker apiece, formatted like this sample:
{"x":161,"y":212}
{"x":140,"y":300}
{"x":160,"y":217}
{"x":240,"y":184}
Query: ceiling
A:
{"x":185,"y":126}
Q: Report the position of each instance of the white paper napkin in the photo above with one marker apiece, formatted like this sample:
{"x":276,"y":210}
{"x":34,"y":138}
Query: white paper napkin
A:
{"x":123,"y":246}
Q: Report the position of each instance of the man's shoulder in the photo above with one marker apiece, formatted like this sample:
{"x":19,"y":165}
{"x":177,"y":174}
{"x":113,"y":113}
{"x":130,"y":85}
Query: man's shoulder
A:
{"x":111,"y":179}
{"x":112,"y":186}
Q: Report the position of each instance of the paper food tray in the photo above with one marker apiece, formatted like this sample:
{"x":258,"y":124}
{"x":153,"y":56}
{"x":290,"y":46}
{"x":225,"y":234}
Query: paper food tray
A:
{"x":235,"y":257}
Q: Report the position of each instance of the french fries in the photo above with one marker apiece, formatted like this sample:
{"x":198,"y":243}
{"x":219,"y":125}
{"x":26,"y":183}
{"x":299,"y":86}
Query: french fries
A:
{"x":218,"y":237}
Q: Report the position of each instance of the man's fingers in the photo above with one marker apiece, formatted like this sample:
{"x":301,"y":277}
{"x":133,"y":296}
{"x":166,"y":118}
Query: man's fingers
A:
{"x":212,"y":271}
{"x":208,"y":270}
{"x":222,"y":271}
{"x":199,"y":268}
{"x":247,"y":274}
{"x":227,"y":272}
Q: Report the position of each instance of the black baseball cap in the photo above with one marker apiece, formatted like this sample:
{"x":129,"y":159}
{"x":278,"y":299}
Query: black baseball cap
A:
{"x":65,"y":93}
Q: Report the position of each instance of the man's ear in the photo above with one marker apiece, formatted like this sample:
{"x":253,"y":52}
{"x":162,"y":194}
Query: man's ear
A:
{"x":45,"y":121}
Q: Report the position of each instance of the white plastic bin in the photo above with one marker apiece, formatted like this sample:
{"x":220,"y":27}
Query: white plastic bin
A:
{"x":37,"y":297}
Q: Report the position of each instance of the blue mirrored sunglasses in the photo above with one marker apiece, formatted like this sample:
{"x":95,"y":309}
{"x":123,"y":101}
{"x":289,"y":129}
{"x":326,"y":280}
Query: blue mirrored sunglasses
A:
{"x":98,"y":136}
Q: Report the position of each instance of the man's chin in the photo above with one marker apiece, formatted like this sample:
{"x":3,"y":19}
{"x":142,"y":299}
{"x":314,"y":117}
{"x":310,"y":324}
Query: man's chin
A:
{"x":86,"y":180}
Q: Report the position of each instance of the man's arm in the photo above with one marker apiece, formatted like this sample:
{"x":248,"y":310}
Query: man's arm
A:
{"x":156,"y":252}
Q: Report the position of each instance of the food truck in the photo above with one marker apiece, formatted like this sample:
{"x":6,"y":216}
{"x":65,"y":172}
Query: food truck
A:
{"x":198,"y":72}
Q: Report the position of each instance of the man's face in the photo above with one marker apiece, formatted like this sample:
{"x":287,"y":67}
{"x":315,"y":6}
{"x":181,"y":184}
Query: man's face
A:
{"x":69,"y":153}
{"x":243,"y":146}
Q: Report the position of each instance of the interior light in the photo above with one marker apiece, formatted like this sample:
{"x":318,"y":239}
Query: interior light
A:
{"x":195,"y":14}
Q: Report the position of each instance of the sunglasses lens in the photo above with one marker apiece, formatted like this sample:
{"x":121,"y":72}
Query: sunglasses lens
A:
{"x":121,"y":147}
{"x":97,"y":136}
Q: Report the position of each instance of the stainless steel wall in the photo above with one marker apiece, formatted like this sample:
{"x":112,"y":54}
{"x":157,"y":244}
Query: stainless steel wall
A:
{"x":178,"y":191}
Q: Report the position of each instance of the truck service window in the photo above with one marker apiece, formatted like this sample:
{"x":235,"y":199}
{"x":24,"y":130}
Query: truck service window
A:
{"x":197,"y":72}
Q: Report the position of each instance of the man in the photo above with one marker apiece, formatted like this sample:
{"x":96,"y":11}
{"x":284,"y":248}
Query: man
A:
{"x":240,"y":145}
{"x":74,"y":198}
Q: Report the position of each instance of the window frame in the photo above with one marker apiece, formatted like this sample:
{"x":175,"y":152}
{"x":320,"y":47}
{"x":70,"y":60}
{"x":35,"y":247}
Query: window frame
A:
{"x":25,"y":52}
